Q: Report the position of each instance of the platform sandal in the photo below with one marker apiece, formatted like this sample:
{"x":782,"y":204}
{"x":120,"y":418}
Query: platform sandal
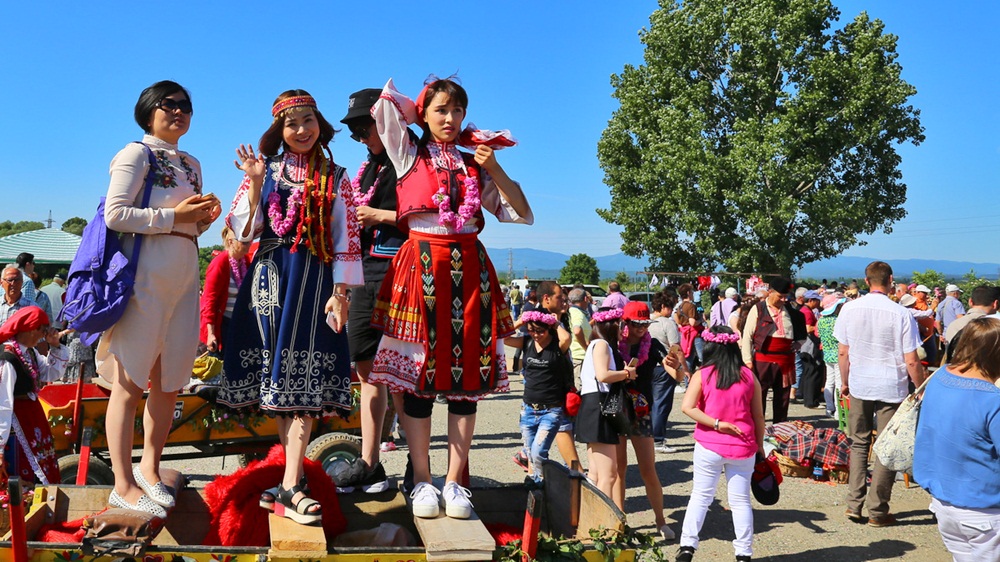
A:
{"x":298,"y":512}
{"x":268,"y":495}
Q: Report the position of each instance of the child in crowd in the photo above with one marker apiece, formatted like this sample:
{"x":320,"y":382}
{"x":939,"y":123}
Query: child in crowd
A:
{"x":548,"y":376}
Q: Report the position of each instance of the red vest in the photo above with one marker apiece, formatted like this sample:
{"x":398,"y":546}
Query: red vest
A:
{"x":415,"y":190}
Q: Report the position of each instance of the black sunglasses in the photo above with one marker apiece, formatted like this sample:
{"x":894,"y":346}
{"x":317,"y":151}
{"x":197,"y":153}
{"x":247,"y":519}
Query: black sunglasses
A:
{"x":359,"y":132}
{"x":167,"y":104}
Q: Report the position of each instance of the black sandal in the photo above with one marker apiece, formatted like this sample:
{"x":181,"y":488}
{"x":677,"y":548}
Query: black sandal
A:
{"x":268,"y":495}
{"x":299,"y":512}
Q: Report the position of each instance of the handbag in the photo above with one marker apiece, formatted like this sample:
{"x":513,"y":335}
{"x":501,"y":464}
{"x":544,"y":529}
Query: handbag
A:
{"x":617,"y":409}
{"x":894,"y":444}
{"x":101,"y":277}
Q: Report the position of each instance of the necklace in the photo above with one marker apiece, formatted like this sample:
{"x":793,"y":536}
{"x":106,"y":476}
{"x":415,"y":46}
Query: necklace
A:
{"x":442,"y":154}
{"x":644,"y":344}
{"x":239,"y":269}
{"x":362,"y":199}
{"x":29,"y":364}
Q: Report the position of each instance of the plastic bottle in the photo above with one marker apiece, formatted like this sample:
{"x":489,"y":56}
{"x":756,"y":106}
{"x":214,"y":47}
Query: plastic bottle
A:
{"x":818,"y":473}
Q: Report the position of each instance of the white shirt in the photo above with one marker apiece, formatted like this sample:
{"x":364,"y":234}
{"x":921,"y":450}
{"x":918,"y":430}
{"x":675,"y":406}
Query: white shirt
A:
{"x":879,"y":332}
{"x":51,"y":367}
{"x":588,"y":373}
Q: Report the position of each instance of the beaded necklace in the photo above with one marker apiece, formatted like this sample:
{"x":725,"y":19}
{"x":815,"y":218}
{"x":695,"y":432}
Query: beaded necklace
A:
{"x":29,"y":364}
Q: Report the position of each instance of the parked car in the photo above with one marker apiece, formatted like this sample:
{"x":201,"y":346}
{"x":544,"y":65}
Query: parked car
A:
{"x":642,"y":296}
{"x":595,"y":291}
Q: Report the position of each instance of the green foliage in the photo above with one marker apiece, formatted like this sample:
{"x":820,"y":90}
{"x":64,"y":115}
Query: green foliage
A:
{"x":930,"y":278}
{"x":580,"y":268}
{"x":610,"y":544}
{"x":752,"y":126}
{"x":969,"y":282}
{"x":205,"y":258}
{"x":622,"y":278}
{"x":74,"y":225}
{"x":7,"y":227}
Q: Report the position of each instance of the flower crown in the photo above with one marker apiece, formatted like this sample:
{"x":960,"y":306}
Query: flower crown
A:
{"x":540,"y":317}
{"x":608,"y":315}
{"x":722,"y":339}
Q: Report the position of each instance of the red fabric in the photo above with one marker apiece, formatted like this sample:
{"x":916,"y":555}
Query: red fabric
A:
{"x":779,"y":352}
{"x":35,"y":424}
{"x":503,"y":534}
{"x":472,"y":137}
{"x":826,"y":446}
{"x":215,"y":293}
{"x":68,"y":531}
{"x":26,"y":319}
{"x":704,"y":282}
{"x":688,"y":335}
{"x":416,"y":189}
{"x":405,"y":313}
{"x":572,"y":403}
{"x":236,"y":516}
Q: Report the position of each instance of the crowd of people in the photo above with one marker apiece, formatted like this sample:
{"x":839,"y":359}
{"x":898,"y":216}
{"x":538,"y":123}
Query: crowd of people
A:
{"x":394,"y":257}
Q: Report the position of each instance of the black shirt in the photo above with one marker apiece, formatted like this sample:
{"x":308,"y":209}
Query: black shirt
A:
{"x":382,"y":240}
{"x":547,"y":373}
{"x":644,"y":373}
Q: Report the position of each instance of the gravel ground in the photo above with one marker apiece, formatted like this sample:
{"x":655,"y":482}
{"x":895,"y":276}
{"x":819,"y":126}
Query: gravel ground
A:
{"x":808,"y":524}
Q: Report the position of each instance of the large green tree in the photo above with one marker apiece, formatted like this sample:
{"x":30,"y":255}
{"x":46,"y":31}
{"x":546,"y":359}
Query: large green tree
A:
{"x":580,"y":268}
{"x":75,"y":225}
{"x":755,"y":136}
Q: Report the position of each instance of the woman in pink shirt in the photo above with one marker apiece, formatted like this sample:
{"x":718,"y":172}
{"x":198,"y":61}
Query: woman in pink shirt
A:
{"x":724,"y":398}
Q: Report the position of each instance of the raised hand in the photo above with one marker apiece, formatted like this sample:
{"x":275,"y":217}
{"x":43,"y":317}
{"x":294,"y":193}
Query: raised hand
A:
{"x":252,"y":164}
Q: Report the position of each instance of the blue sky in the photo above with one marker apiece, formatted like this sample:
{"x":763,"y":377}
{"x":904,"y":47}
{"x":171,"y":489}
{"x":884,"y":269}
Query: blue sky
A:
{"x":74,"y":71}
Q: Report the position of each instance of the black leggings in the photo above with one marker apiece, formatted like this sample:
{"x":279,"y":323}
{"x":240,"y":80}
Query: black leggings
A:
{"x":420,"y":408}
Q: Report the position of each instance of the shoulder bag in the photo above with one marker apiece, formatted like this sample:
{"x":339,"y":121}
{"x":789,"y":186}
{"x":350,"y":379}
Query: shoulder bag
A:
{"x":894,"y":445}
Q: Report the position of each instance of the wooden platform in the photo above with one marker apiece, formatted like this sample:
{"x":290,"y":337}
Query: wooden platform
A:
{"x":445,"y":538}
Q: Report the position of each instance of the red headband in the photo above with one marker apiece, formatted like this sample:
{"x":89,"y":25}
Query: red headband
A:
{"x":28,"y":318}
{"x":296,"y":101}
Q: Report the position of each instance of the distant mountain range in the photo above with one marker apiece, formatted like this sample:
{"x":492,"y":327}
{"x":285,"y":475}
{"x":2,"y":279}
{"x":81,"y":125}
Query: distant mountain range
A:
{"x":544,"y":264}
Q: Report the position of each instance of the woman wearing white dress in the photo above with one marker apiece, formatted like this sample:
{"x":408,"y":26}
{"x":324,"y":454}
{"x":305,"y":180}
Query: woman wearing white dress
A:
{"x":154,"y":344}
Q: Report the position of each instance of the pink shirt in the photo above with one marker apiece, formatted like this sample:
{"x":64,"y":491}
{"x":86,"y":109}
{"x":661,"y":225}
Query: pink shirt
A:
{"x":731,"y":405}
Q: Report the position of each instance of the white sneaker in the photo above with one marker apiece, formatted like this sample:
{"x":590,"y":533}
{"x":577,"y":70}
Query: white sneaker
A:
{"x":667,"y":534}
{"x":664,"y":448}
{"x":425,"y":500}
{"x":456,"y":501}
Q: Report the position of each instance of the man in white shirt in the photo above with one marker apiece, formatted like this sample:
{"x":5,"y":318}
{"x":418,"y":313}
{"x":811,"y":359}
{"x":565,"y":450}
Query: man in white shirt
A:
{"x":55,"y":291}
{"x":877,"y":355}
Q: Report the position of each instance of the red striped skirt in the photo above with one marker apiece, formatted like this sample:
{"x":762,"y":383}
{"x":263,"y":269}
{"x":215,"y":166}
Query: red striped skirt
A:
{"x":442,"y":294}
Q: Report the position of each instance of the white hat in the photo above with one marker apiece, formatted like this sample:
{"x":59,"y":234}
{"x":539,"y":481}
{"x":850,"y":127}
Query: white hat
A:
{"x":952,"y":289}
{"x":922,"y":289}
{"x":732,"y":292}
{"x":907,"y":300}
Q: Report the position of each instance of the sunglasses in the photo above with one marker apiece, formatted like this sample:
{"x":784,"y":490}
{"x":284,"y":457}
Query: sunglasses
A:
{"x":12,"y":280}
{"x":359,"y":132}
{"x":167,"y":104}
{"x":534,"y":330}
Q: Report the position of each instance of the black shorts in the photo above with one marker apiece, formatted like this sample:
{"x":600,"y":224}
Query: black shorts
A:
{"x":361,"y":337}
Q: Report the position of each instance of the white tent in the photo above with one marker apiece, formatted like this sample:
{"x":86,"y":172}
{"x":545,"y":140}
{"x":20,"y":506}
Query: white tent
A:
{"x":49,"y":245}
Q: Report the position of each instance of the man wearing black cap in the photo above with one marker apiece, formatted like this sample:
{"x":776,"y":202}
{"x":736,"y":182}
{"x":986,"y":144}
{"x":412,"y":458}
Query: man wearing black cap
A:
{"x":768,"y":344}
{"x":375,"y":199}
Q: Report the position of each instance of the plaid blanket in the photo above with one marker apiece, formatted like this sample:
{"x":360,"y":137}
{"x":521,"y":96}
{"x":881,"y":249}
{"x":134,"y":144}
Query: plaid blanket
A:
{"x":827,"y":446}
{"x":785,"y":431}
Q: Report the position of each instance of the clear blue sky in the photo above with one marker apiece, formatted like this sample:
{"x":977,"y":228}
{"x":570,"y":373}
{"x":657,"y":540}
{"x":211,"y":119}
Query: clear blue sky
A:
{"x":73,"y":71}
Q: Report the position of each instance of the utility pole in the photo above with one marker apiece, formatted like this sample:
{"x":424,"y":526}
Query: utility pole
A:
{"x":50,"y":221}
{"x":510,"y":264}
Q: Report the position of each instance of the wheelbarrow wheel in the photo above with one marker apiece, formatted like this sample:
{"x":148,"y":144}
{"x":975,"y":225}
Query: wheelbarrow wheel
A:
{"x":98,"y":473}
{"x":335,"y":451}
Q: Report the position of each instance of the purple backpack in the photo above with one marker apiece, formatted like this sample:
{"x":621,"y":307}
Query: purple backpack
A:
{"x":100,"y":280}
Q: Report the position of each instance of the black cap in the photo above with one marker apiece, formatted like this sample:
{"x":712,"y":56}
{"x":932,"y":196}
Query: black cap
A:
{"x":360,"y":104}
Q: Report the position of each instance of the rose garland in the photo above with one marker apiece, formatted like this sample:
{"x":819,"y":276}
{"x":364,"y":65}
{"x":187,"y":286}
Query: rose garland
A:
{"x":283,"y":224}
{"x":644,"y":344}
{"x":470,"y":204}
{"x":540,"y":317}
{"x":608,"y":315}
{"x":722,"y":339}
{"x":362,"y":199}
{"x":239,"y":269}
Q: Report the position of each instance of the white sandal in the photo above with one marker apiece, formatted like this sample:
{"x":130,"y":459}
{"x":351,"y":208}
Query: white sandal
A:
{"x":156,"y":492}
{"x":145,"y":505}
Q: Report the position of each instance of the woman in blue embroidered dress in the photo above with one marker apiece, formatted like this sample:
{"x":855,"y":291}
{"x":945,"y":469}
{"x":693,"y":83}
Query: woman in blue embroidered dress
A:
{"x":441,"y":306}
{"x":286,"y":352}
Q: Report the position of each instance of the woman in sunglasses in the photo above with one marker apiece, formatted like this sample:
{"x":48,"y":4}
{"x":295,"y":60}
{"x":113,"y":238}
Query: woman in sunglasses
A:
{"x":154,"y":344}
{"x":548,"y":376}
{"x":287,"y":353}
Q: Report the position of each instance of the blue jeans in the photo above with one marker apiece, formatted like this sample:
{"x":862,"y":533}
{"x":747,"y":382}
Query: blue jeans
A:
{"x":663,"y":401}
{"x":697,"y":350}
{"x":538,"y":429}
{"x":798,"y":371}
